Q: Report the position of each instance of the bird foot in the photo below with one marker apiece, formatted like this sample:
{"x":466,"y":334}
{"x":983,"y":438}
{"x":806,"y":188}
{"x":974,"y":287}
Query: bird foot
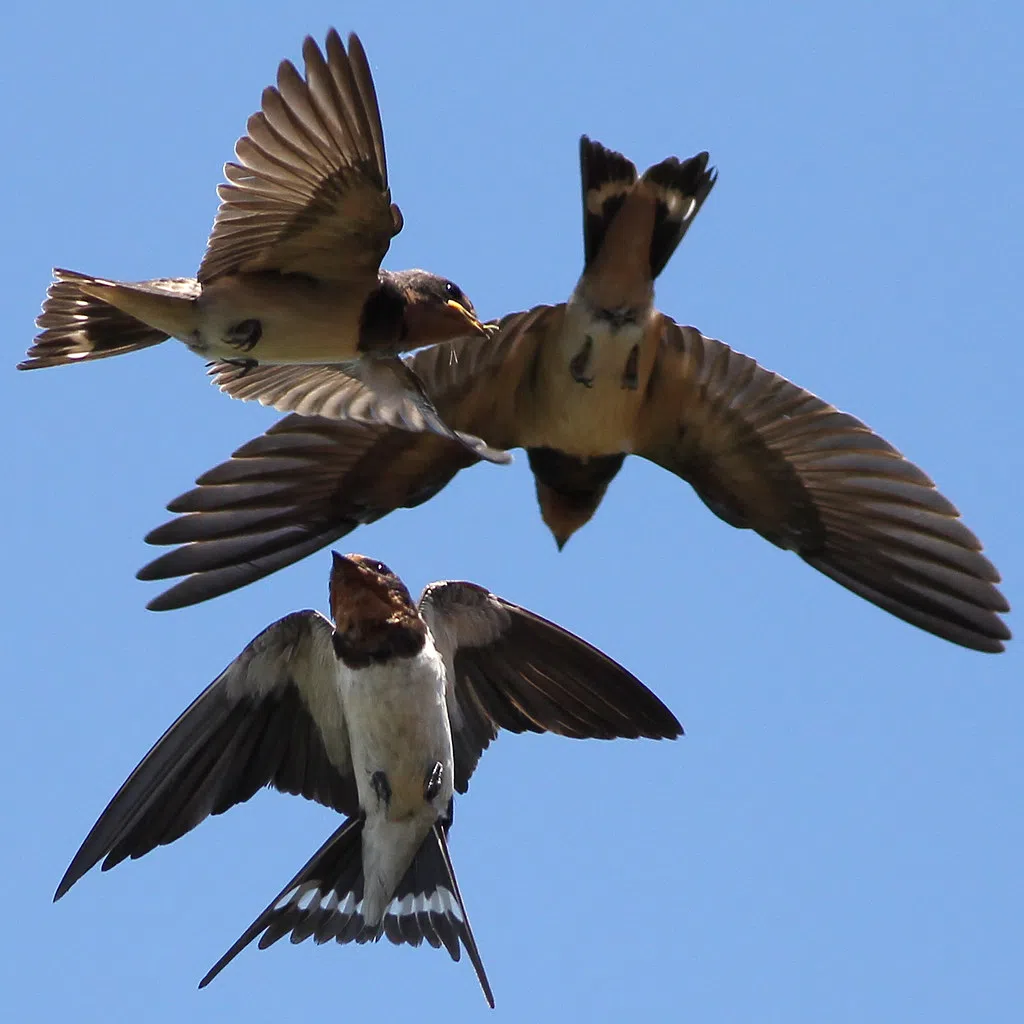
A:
{"x":579,"y":363}
{"x":630,"y":375}
{"x":382,"y":788}
{"x":244,"y":335}
{"x":432,"y":783}
{"x":243,"y":366}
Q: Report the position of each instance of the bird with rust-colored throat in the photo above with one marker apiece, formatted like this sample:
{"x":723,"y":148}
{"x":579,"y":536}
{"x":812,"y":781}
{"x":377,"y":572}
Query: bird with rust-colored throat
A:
{"x":580,"y":386}
{"x":381,"y":715}
{"x":292,"y":269}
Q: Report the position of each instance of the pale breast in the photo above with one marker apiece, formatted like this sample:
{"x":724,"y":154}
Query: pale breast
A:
{"x":590,"y":388}
{"x":398,"y":725}
{"x":276,"y":318}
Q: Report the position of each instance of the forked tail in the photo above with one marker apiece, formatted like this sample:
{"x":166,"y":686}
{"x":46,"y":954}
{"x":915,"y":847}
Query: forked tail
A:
{"x":325,"y":901}
{"x":79,"y":324}
{"x":679,"y":188}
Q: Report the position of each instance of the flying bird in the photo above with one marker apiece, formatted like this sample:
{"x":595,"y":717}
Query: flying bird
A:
{"x":382,"y":716}
{"x":580,"y":386}
{"x":292,"y":268}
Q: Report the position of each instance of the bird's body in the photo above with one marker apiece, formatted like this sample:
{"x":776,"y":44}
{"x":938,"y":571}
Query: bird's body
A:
{"x":581,"y":386}
{"x":382,"y":716}
{"x":299,"y":319}
{"x":398,"y":731}
{"x":599,"y":417}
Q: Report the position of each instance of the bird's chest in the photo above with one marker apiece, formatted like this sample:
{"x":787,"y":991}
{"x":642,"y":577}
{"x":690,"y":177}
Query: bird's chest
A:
{"x":590,"y":387}
{"x":277,"y":318}
{"x":399,"y":732}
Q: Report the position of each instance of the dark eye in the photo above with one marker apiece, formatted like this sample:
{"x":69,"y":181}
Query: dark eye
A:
{"x":382,"y":569}
{"x":454,"y":292}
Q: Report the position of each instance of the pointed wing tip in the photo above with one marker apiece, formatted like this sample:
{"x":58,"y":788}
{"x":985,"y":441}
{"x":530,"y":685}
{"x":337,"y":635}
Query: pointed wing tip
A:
{"x":163,"y":602}
{"x":496,"y":456}
{"x":994,"y":646}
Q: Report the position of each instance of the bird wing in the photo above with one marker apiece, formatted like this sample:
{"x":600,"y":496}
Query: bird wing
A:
{"x":764,"y":454}
{"x":510,"y":669}
{"x":309,"y":194}
{"x":272,"y":717}
{"x":382,"y":390}
{"x":309,"y":480}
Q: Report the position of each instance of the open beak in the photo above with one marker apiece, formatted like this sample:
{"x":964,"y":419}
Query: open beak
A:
{"x":466,"y":315}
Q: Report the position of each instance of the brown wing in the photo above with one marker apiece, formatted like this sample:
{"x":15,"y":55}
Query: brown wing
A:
{"x":308,"y":480}
{"x":511,"y":669}
{"x":382,"y":390}
{"x":764,"y":454}
{"x":310,"y":192}
{"x":254,"y":725}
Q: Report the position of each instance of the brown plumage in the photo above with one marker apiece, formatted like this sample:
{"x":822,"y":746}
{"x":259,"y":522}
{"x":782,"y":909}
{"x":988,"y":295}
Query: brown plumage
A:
{"x":372,"y":610}
{"x":580,"y":386}
{"x":292,"y":269}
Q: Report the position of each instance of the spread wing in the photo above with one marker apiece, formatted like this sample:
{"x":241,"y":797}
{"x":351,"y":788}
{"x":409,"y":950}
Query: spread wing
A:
{"x":308,"y":480}
{"x":764,"y":454}
{"x":382,"y":391}
{"x":309,"y":194}
{"x":272,"y":717}
{"x":510,"y":669}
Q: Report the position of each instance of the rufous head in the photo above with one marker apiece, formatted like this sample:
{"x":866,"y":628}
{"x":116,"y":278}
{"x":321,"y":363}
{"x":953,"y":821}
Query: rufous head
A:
{"x":364,"y":591}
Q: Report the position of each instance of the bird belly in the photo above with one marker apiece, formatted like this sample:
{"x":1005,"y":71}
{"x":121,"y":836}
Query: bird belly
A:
{"x":398,"y":726}
{"x":592,"y":386}
{"x":398,"y":729}
{"x":277,"y":318}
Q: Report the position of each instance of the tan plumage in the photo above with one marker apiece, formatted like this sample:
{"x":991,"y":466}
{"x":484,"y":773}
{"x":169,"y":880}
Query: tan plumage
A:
{"x":310,"y":193}
{"x":761,"y":452}
{"x":292,"y":269}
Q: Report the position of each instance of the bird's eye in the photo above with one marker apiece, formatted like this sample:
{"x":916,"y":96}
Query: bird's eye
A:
{"x":454,"y":292}
{"x":382,"y":569}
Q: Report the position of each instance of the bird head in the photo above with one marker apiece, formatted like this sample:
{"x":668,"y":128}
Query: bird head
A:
{"x":365,"y":592}
{"x":436,"y":309}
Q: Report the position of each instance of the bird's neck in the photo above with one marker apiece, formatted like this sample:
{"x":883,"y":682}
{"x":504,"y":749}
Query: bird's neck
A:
{"x":382,"y":322}
{"x":616,"y":312}
{"x":374,"y":642}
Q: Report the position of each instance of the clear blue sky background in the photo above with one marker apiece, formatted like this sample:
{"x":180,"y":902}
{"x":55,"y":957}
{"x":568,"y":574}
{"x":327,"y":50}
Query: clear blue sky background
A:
{"x":838,"y":837}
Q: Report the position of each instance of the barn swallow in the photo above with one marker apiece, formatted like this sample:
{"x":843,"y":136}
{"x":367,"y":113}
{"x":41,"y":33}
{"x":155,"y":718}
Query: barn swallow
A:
{"x":580,"y":386}
{"x":382,"y":716}
{"x":292,"y":270}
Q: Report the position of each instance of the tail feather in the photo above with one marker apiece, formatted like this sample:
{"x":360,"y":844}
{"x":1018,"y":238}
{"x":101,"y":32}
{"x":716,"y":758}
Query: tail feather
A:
{"x":79,"y":322}
{"x":325,"y":899}
{"x":681,"y":187}
{"x":606,"y":177}
{"x":569,"y":488}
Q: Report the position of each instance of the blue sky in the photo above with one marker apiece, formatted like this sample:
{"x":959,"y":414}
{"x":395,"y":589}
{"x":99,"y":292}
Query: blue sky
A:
{"x":838,"y":835}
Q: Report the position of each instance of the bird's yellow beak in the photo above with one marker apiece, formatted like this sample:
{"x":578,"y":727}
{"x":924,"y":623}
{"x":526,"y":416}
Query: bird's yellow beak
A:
{"x":467,"y":315}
